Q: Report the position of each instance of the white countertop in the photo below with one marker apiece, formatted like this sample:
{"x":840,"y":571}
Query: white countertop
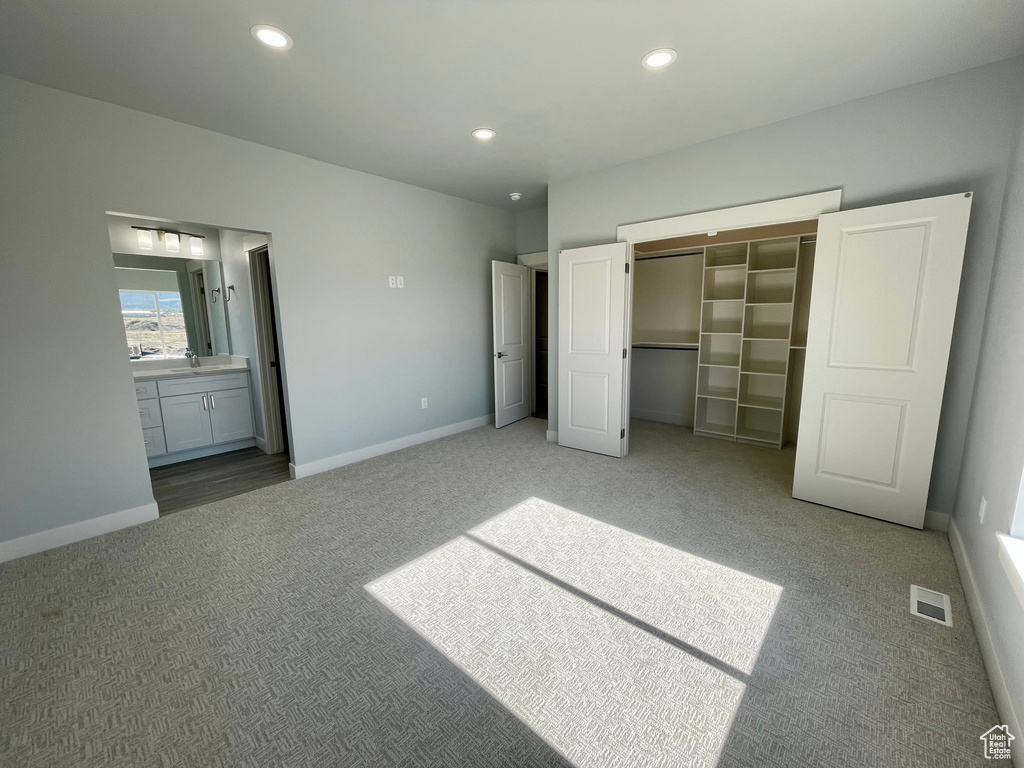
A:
{"x":149,"y":370}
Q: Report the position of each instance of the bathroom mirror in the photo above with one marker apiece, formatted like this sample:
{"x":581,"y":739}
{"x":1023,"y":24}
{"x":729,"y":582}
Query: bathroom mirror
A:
{"x":169,"y":302}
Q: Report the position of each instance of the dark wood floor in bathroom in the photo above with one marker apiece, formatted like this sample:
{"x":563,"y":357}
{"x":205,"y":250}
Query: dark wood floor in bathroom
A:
{"x":201,"y":481}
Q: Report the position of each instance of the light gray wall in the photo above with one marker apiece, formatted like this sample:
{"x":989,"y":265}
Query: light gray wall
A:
{"x":532,"y":231}
{"x":357,"y":355}
{"x":943,"y":136}
{"x":994,"y":452}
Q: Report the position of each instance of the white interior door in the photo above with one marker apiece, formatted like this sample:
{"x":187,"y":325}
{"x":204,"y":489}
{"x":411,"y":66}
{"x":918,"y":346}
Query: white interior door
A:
{"x":886,"y":281}
{"x":510,"y":306}
{"x":591,"y":341}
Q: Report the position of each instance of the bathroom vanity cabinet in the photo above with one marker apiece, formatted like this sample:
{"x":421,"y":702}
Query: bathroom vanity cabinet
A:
{"x":185,"y":417}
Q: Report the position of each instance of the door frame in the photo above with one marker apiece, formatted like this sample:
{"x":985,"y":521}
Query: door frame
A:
{"x":533,"y":333}
{"x":780,"y":211}
{"x":274,"y":410}
{"x":197,"y":285}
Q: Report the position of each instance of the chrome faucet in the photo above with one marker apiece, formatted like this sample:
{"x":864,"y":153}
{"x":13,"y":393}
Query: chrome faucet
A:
{"x":193,"y":358}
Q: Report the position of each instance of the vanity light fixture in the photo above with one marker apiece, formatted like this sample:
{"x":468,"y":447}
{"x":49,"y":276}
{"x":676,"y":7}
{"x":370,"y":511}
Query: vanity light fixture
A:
{"x":145,"y":239}
{"x":484,"y":134}
{"x":195,"y":245}
{"x":272,"y":37}
{"x":658,"y":59}
{"x":171,"y":242}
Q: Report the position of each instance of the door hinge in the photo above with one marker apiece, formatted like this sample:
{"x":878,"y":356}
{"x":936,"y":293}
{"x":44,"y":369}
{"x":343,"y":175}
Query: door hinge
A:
{"x":623,"y":353}
{"x":627,"y":267}
{"x":622,"y":434}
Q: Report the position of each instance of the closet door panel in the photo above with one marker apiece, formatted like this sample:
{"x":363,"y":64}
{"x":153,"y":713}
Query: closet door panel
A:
{"x":591,"y":363}
{"x":886,"y":281}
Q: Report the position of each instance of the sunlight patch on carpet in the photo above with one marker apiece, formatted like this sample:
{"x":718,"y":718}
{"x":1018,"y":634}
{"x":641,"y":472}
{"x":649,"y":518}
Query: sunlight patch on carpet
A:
{"x":598,"y":689}
{"x":715,"y":609}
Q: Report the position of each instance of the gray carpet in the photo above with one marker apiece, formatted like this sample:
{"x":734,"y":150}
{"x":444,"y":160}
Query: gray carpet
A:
{"x":240,"y":633}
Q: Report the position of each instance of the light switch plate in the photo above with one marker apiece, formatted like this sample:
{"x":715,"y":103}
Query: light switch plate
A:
{"x":401,"y":281}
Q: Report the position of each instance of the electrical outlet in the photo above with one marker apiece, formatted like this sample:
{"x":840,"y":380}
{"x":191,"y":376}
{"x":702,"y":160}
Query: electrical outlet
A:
{"x":423,"y":402}
{"x":981,"y":510}
{"x":401,"y":282}
{"x":392,"y":283}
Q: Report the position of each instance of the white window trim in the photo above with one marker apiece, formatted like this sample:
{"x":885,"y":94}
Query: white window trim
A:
{"x":1011,"y":555}
{"x":159,"y":316}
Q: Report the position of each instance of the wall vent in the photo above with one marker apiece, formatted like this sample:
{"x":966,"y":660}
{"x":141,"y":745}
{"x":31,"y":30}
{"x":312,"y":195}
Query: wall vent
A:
{"x":930,"y":605}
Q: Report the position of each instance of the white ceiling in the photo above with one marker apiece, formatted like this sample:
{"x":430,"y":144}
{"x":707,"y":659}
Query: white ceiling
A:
{"x":394,"y":87}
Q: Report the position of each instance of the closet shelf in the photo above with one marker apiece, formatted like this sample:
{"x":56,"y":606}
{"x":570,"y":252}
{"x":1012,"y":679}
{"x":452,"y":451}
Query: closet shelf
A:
{"x":758,"y":436}
{"x":755,"y":270}
{"x":722,"y":301}
{"x":763,"y":403}
{"x":768,"y":303}
{"x":719,"y":394}
{"x":715,"y":429}
{"x":766,"y":338}
{"x":719,"y":365}
{"x":764,"y":373}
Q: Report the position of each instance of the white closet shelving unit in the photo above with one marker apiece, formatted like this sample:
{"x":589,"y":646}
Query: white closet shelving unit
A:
{"x":740,"y":309}
{"x":745,"y":339}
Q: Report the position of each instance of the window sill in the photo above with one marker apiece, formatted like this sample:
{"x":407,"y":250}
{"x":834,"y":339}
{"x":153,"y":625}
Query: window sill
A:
{"x":1011,"y":555}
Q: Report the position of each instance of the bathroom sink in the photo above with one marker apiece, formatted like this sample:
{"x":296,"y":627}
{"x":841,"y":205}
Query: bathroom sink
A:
{"x":181,"y":370}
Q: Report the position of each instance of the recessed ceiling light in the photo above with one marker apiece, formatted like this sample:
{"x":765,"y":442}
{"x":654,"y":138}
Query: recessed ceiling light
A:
{"x":272,"y":37}
{"x":659,"y":59}
{"x":484,"y":134}
{"x":516,"y":196}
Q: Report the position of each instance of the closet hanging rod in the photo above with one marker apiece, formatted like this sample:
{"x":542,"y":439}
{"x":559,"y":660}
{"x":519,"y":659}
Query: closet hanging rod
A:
{"x":641,"y":257}
{"x":685,"y":347}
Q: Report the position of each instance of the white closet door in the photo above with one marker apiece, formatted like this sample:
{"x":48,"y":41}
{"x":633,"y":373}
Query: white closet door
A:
{"x":509,"y":297}
{"x":885,"y":282}
{"x":591,"y":366}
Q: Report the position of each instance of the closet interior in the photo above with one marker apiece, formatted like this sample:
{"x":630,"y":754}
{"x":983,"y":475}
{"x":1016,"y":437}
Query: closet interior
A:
{"x":719,"y":331}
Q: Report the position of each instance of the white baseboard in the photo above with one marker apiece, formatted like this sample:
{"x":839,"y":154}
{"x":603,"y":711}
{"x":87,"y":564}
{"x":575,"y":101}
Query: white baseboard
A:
{"x":69,"y":534}
{"x":681,"y":419}
{"x":298,"y":471}
{"x":552,"y":436}
{"x":1004,"y":703}
{"x":936,"y":521}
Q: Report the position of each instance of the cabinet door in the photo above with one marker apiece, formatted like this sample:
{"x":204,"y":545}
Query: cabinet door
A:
{"x":231,"y":415}
{"x":186,"y":422}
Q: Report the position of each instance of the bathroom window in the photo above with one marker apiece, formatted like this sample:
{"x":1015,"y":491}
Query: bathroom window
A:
{"x":154,"y":324}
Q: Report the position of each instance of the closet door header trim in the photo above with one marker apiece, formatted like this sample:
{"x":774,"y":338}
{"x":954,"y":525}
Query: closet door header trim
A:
{"x":739,"y":217}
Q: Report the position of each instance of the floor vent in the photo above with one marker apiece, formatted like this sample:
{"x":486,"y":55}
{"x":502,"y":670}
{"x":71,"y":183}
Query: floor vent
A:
{"x":930,"y":605}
